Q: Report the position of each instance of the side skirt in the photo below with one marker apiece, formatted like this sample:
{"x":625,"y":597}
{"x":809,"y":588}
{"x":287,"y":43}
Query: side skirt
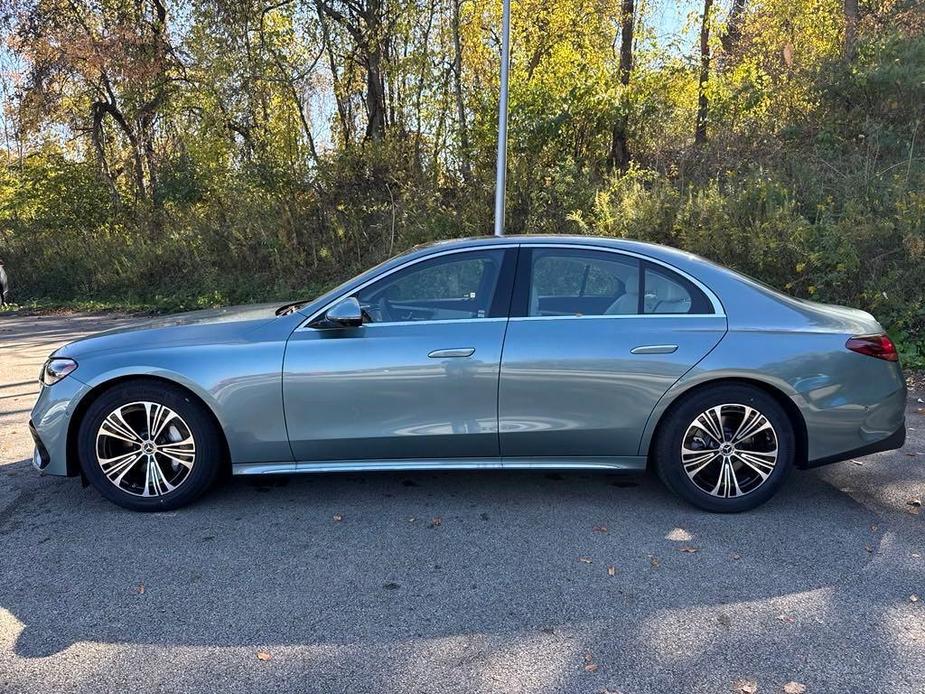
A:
{"x":613,"y":463}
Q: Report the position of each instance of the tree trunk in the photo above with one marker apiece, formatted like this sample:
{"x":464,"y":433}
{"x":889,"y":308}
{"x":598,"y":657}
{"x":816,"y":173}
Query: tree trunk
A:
{"x":343,"y":106}
{"x":372,"y":46}
{"x":851,"y":27}
{"x":97,"y":114}
{"x":464,"y":161}
{"x":619,"y":148}
{"x":375,"y":96}
{"x":703,"y":103}
{"x":730,"y":37}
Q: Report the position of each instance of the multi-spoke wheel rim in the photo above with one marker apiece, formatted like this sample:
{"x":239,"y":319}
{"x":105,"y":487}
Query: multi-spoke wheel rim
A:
{"x":729,"y":450}
{"x":145,"y":449}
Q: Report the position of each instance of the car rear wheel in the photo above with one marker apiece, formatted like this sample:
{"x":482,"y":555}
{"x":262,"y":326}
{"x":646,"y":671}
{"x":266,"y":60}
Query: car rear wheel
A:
{"x":725,"y":449}
{"x":149,"y":446}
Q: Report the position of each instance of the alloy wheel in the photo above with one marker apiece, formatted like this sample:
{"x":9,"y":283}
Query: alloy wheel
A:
{"x":145,"y":448}
{"x":729,"y":450}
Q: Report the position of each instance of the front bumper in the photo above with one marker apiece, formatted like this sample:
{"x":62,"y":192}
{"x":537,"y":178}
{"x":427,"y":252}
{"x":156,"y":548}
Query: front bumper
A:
{"x":49,"y":424}
{"x":40,"y":457}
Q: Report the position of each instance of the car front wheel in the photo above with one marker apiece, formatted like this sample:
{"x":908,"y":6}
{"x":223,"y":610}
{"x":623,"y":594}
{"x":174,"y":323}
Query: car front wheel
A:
{"x":149,"y":446}
{"x":726,"y":449}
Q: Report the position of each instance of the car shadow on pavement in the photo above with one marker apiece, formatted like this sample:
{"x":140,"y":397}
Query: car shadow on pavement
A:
{"x":346,"y":559}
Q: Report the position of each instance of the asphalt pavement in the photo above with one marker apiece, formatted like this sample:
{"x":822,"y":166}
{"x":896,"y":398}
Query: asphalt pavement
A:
{"x":457,"y":581}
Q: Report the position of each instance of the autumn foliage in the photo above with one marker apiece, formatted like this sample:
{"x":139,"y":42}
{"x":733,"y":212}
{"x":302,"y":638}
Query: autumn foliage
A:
{"x":189,"y":153}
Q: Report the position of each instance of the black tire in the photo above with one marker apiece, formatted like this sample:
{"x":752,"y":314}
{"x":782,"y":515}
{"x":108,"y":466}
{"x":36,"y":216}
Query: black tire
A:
{"x":208,"y":456}
{"x":671,"y":434}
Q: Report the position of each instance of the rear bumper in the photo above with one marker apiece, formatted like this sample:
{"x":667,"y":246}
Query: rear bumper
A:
{"x":895,"y":440}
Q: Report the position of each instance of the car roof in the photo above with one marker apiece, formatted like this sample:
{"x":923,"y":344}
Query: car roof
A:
{"x":667,"y":254}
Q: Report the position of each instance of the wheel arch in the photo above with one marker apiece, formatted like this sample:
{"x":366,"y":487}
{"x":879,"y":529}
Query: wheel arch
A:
{"x":790,"y":407}
{"x":98,"y":389}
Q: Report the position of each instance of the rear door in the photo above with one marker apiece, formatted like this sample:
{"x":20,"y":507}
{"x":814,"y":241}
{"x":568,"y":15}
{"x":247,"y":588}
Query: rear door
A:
{"x":595,"y":338}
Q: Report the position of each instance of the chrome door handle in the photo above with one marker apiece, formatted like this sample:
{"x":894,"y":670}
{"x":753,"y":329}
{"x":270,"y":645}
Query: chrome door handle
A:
{"x":457,"y":352}
{"x":654,"y":349}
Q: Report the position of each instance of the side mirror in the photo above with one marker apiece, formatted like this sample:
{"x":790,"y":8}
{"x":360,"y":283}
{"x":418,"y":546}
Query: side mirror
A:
{"x":344,"y":314}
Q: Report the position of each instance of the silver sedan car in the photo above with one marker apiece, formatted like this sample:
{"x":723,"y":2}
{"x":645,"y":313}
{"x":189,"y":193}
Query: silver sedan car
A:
{"x":537,"y":352}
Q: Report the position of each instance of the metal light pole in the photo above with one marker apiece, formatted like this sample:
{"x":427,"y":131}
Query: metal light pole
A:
{"x":501,"y":176}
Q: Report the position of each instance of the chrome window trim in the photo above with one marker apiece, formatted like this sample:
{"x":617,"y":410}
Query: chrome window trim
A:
{"x":644,"y":316}
{"x":409,"y":263}
{"x":714,"y":300}
{"x":720,"y":312}
{"x":441,"y":321}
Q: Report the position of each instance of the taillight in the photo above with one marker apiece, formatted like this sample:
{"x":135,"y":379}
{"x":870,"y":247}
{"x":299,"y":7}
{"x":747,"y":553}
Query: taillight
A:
{"x":879,"y":346}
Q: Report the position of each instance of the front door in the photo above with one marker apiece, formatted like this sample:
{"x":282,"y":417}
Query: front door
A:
{"x":595,"y":338}
{"x":419,"y":379}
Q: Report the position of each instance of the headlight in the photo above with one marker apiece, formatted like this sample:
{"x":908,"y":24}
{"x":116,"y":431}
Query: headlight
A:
{"x":55,"y":369}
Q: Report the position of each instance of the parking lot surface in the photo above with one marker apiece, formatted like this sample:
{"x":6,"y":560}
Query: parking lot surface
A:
{"x":457,"y":581}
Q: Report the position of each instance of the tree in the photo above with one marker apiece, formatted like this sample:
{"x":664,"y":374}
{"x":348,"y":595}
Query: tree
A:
{"x":619,"y":150}
{"x":703,"y":102}
{"x":850,"y":9}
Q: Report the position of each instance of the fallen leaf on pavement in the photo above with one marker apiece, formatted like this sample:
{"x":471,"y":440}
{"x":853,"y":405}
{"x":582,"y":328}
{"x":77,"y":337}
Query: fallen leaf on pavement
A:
{"x":655,"y":562}
{"x":745,"y":686}
{"x":679,"y":535}
{"x":920,"y":410}
{"x":590,"y":665}
{"x":611,"y":570}
{"x":913,"y":598}
{"x":600,"y":528}
{"x":140,"y":589}
{"x":688,"y":550}
{"x":436,"y":522}
{"x":735,"y":556}
{"x":263,"y":655}
{"x":794,"y":688}
{"x":338,"y":517}
{"x":584,"y":560}
{"x":786,"y":618}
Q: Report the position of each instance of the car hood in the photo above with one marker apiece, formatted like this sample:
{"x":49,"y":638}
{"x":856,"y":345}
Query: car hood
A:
{"x":211,"y":325}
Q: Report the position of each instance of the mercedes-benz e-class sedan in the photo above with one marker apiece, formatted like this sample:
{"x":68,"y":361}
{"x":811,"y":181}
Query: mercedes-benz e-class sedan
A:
{"x":536,"y":352}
